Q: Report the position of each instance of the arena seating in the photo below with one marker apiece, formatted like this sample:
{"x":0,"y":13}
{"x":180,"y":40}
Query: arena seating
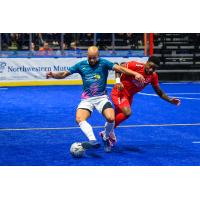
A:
{"x":179,"y":54}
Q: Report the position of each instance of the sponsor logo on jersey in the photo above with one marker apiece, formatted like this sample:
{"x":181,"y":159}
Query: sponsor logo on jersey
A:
{"x":138,"y":65}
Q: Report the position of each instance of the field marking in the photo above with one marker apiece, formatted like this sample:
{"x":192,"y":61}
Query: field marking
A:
{"x":184,"y":93}
{"x":155,"y":95}
{"x":181,"y":83}
{"x":146,"y":94}
{"x":150,"y":94}
{"x":77,"y":127}
{"x":196,"y":142}
{"x":189,"y":98}
{"x":3,"y":88}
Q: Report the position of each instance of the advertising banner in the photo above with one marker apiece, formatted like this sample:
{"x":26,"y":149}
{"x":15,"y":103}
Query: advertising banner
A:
{"x":33,"y":69}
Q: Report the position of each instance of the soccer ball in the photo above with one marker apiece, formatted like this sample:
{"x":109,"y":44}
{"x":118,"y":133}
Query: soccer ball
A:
{"x":77,"y":150}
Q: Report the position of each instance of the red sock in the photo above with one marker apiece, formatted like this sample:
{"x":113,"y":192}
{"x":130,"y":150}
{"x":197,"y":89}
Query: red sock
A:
{"x":119,"y":118}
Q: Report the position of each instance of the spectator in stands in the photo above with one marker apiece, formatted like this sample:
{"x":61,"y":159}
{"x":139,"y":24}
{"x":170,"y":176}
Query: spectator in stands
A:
{"x":32,"y":50}
{"x":4,"y":47}
{"x":73,"y":46}
{"x":64,"y":47}
{"x":32,"y":47}
{"x":104,"y":40}
{"x":20,"y":41}
{"x":6,"y":39}
{"x":14,"y":41}
{"x":56,"y":38}
{"x":68,"y":38}
{"x":86,"y":39}
{"x":37,"y":39}
{"x":75,"y":51}
{"x":45,"y":50}
{"x":89,"y":36}
{"x":62,"y":50}
{"x":130,"y":40}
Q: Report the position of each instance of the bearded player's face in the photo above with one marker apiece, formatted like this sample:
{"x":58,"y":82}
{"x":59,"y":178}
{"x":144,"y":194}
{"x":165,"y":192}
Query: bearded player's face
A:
{"x":150,"y":68}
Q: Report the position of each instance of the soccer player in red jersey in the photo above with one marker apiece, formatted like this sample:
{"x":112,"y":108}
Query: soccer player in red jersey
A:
{"x":127,"y":86}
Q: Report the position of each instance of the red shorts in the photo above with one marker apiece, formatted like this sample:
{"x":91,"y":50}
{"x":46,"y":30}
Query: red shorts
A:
{"x":120,"y":99}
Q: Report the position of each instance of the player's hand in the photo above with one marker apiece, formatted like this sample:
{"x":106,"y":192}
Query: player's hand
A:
{"x":49,"y":75}
{"x":139,"y":78}
{"x":119,"y":86}
{"x":176,"y":101}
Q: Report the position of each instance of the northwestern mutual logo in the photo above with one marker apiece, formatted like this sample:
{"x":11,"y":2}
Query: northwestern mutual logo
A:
{"x":2,"y":66}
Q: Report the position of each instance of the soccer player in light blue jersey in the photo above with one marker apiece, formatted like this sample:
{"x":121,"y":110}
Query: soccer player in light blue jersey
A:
{"x":94,"y":73}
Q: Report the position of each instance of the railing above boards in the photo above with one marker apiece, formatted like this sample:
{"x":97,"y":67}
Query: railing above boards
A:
{"x":68,"y":53}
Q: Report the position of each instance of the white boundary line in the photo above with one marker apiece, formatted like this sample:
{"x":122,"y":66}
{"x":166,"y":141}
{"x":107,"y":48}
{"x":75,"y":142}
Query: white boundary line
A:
{"x":184,"y":93}
{"x":155,"y":95}
{"x":188,"y":98}
{"x":177,"y":83}
{"x":150,"y":94}
{"x":76,"y":127}
{"x":146,"y":94}
{"x":196,"y":142}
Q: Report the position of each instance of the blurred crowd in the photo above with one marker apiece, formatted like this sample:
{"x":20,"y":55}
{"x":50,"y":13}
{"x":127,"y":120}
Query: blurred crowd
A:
{"x":69,"y":41}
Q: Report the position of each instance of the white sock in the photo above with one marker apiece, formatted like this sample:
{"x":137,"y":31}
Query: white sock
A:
{"x":109,"y":128}
{"x":87,"y":130}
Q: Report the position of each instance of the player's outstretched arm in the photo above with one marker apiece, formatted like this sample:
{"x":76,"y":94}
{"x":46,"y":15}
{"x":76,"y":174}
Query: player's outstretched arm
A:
{"x":129,"y":72}
{"x":58,"y":75}
{"x":164,"y":96}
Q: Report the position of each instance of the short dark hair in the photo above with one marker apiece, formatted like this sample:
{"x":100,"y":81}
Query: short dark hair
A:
{"x":154,"y":60}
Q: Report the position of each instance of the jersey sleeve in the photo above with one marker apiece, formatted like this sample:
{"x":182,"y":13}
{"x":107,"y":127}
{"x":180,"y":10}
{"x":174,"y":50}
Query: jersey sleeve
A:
{"x":74,"y":68}
{"x":154,"y":80}
{"x":109,"y":65}
{"x":131,"y":65}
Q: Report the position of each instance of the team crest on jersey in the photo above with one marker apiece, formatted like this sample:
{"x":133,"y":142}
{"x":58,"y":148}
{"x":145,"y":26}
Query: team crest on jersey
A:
{"x":97,"y":76}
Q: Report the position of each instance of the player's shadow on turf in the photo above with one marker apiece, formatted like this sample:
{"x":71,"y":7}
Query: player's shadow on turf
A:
{"x":125,"y":148}
{"x":93,"y":154}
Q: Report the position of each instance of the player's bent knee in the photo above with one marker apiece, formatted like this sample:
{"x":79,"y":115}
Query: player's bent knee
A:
{"x":127,"y":111}
{"x":82,"y":114}
{"x":78,"y":120}
{"x":108,"y":112}
{"x":110,"y":118}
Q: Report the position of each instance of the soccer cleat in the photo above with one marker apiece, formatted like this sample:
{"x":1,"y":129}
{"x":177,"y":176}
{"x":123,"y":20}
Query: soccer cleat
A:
{"x":112,"y":138}
{"x":106,"y":142}
{"x":92,"y":144}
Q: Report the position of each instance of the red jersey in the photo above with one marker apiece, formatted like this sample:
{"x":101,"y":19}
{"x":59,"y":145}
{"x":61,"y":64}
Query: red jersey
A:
{"x":132,"y":86}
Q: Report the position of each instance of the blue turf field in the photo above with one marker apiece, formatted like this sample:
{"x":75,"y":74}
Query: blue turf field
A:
{"x":157,"y":134}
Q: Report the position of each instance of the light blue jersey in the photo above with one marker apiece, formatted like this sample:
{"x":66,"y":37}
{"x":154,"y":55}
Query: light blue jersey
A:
{"x":94,"y":77}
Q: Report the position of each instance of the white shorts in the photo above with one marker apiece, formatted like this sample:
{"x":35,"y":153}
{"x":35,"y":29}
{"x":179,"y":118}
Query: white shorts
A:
{"x":94,"y":102}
